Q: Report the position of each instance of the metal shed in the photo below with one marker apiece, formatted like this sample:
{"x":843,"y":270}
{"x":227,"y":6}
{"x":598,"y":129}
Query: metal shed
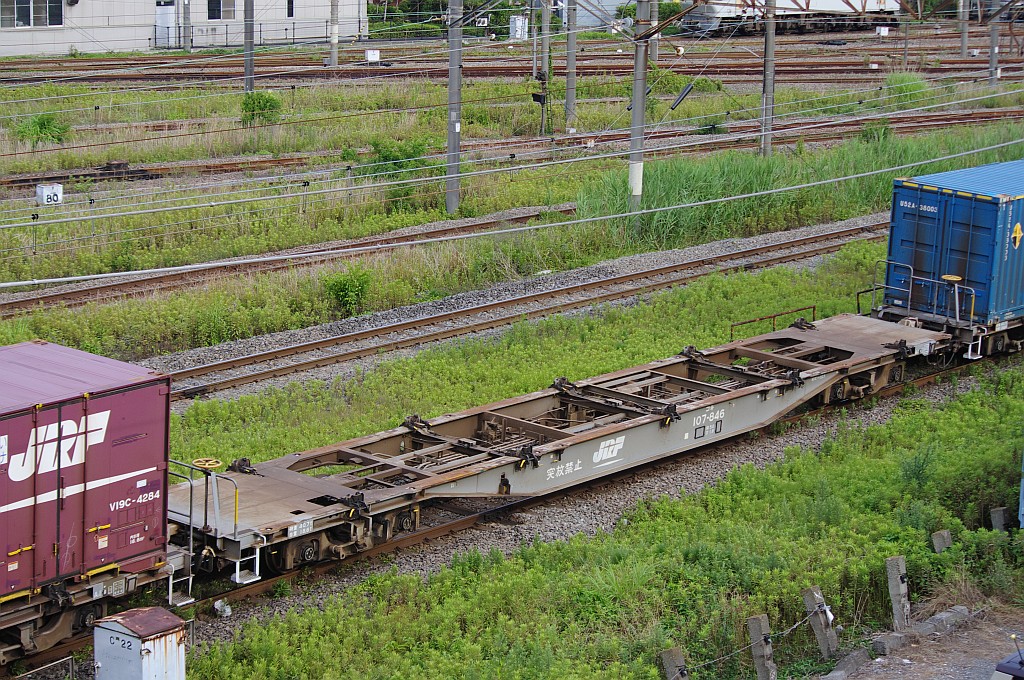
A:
{"x":140,"y":644}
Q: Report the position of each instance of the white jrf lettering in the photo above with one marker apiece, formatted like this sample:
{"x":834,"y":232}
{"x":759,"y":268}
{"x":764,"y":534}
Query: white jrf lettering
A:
{"x":58,"y":445}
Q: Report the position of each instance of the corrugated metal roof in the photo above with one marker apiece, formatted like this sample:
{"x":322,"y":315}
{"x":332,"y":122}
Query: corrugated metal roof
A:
{"x":145,"y":621}
{"x":42,"y":373}
{"x":988,"y":180}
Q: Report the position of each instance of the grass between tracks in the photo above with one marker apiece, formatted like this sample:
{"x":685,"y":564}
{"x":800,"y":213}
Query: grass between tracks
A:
{"x":232,"y":310}
{"x":390,"y":140}
{"x":681,"y":571}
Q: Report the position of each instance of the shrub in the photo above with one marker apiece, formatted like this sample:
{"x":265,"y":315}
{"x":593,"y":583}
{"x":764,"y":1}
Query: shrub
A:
{"x":876,"y":131}
{"x":348,"y":288}
{"x":260,"y":108}
{"x":44,"y":127}
{"x":904,"y":88}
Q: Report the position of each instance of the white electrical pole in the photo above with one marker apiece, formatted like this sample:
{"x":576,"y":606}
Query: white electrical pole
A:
{"x":533,"y":33}
{"x":451,"y":184}
{"x":545,"y":61}
{"x":962,"y":10}
{"x":993,"y":54}
{"x":639,"y":111}
{"x":993,"y":45}
{"x":334,"y":32}
{"x":186,"y":19}
{"x":570,"y":66}
{"x":249,"y":27}
{"x":654,"y":39}
{"x":768,"y":85}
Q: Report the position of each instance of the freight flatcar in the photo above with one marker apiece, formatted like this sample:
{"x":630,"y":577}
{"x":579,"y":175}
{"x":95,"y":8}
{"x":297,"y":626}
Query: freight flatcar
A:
{"x":955,"y":261}
{"x":744,"y":16}
{"x":298,"y":509}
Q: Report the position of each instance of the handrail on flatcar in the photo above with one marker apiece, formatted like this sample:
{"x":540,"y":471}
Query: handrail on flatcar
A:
{"x":211,"y":477}
{"x":813,"y":309}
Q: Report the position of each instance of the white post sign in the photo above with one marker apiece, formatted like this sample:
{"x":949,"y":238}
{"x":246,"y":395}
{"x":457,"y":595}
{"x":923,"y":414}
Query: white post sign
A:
{"x":373,"y":56}
{"x":49,"y":194}
{"x":519,"y":27}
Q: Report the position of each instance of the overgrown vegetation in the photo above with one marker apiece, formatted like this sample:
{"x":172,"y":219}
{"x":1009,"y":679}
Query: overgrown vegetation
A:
{"x":682,"y":182}
{"x":348,"y":288}
{"x":684,"y":572}
{"x":260,"y":108}
{"x":906,"y":89}
{"x":139,"y":328}
{"x":42,"y":128}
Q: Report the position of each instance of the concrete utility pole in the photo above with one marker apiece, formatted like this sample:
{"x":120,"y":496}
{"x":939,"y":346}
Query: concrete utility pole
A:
{"x":639,"y":113}
{"x":545,"y":61}
{"x":993,"y":46}
{"x":250,"y":37}
{"x":570,"y":66}
{"x":768,"y":86}
{"x":962,"y":10}
{"x":654,"y":39}
{"x":186,"y":20}
{"x":451,"y":183}
{"x":545,"y":40}
{"x":533,"y":33}
{"x":334,"y":32}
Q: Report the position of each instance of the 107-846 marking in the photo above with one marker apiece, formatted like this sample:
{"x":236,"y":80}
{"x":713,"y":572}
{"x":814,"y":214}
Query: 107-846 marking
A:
{"x":129,"y":502}
{"x":708,"y":417}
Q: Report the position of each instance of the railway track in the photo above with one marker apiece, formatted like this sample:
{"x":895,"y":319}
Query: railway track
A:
{"x":790,"y":71}
{"x":135,"y":287}
{"x":397,"y":49}
{"x":351,"y":346}
{"x":784,"y":133}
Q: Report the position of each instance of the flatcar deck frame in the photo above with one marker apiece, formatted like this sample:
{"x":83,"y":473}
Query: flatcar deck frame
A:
{"x":537,"y":443}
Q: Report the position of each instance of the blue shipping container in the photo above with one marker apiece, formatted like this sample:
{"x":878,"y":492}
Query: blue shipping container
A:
{"x":955,"y":248}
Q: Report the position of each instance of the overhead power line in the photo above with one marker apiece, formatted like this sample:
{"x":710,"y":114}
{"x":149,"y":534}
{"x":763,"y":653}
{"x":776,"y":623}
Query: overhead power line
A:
{"x":517,"y":230}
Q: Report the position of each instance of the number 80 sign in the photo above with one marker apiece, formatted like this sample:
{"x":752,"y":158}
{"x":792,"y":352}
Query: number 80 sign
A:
{"x":49,"y":194}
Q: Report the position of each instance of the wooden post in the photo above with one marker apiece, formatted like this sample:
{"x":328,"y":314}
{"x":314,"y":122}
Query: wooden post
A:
{"x":942,"y":540}
{"x":896,"y":574}
{"x":673,"y":664}
{"x":998,"y":519}
{"x":821,"y":624}
{"x":762,"y":647}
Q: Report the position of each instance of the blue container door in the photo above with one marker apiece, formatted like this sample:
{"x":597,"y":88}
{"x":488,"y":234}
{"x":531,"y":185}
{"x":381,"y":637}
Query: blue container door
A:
{"x":1007,"y":295}
{"x":968,"y":254}
{"x":941,"y":235}
{"x":916,"y":241}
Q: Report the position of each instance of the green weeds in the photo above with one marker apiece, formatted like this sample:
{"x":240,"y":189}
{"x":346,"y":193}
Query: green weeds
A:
{"x":42,"y":128}
{"x":260,"y":108}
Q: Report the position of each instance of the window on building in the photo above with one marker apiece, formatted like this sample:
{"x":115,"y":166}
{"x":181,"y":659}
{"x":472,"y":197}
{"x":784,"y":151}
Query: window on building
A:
{"x":220,"y":9}
{"x":291,"y":8}
{"x":16,"y":13}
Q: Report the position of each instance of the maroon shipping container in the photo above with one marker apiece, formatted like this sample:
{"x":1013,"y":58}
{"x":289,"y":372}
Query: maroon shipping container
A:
{"x":83,"y":465}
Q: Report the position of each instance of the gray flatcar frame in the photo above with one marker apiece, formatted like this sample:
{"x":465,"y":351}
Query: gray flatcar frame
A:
{"x":533,"y":444}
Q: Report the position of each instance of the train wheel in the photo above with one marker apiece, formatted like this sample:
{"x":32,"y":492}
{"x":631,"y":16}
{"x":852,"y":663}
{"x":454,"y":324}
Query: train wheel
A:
{"x":404,"y":522}
{"x":274,"y":561}
{"x":86,"y":617}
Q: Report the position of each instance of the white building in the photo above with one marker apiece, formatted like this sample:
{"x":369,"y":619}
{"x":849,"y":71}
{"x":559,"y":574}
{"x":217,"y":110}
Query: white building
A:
{"x":29,"y":27}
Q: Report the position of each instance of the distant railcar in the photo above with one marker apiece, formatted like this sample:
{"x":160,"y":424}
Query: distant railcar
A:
{"x":745,"y":16}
